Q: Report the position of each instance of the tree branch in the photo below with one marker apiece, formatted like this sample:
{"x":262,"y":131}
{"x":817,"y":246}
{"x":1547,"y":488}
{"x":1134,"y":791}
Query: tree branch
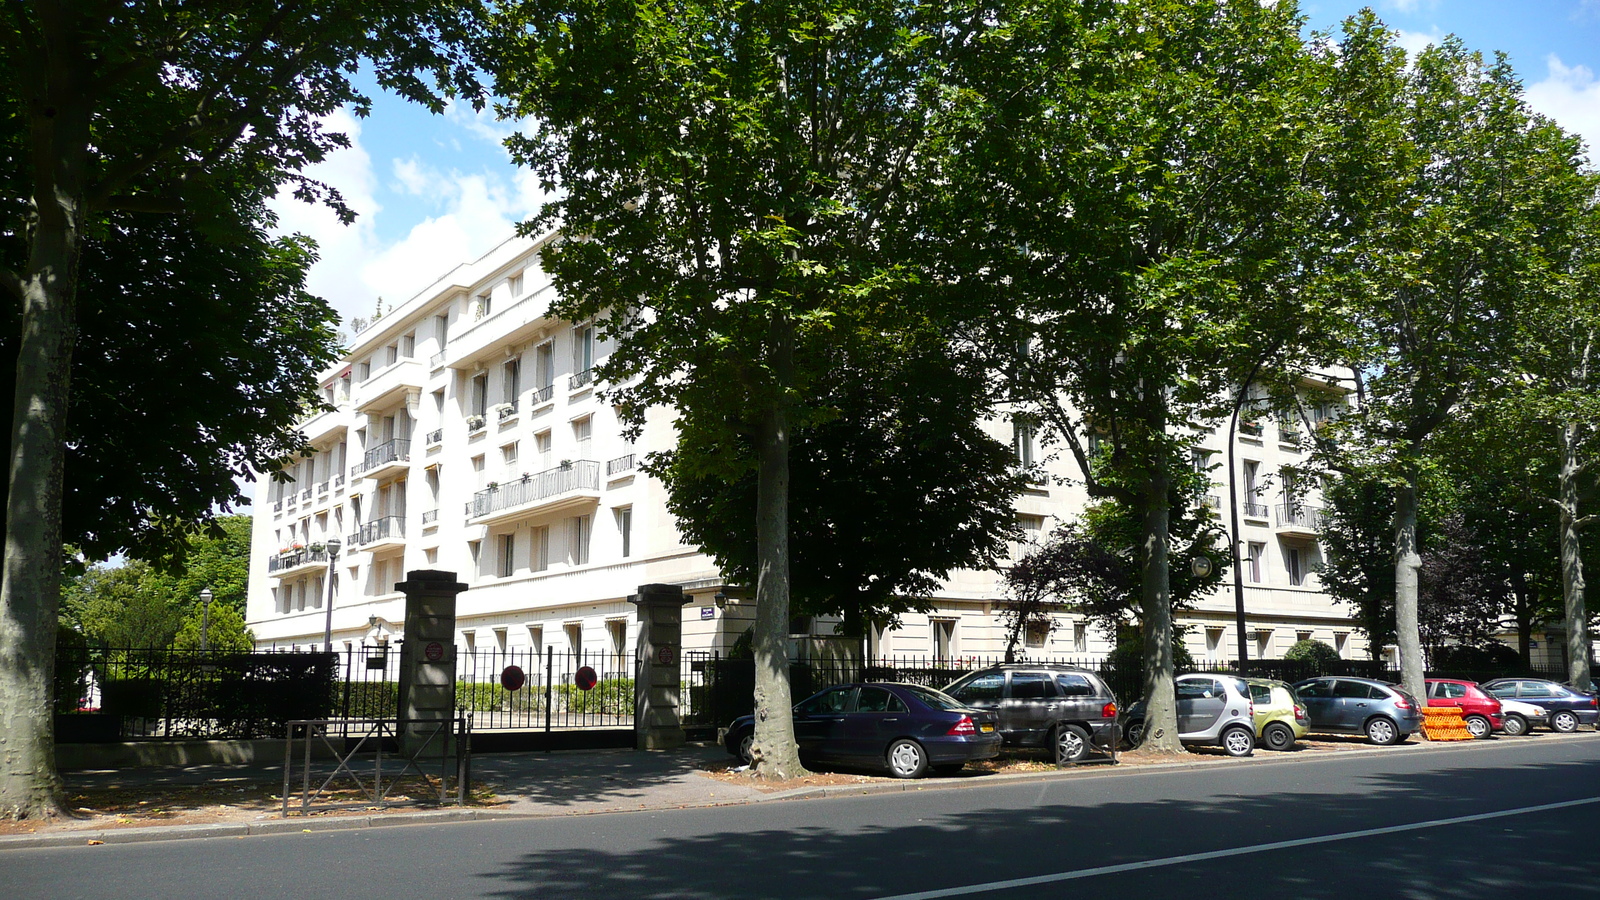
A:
{"x":12,"y":283}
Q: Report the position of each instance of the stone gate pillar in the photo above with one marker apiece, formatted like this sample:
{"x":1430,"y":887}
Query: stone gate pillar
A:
{"x":428,"y":658}
{"x":656,"y":723}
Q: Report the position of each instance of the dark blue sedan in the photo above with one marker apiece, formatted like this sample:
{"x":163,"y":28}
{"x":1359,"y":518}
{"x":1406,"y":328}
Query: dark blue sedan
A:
{"x":906,"y":728}
{"x":1568,"y":708}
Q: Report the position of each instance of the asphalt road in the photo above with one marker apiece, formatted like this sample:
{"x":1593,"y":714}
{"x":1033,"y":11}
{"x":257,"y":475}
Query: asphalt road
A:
{"x":1497,"y":819}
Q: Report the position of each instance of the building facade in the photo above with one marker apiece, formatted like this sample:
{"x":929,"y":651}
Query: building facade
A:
{"x":466,"y":433}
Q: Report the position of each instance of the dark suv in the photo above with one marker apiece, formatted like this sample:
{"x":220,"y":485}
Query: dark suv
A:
{"x":1042,"y":705}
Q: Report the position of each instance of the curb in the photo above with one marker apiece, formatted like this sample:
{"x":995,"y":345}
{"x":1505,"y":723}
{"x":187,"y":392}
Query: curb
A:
{"x":434,"y":817}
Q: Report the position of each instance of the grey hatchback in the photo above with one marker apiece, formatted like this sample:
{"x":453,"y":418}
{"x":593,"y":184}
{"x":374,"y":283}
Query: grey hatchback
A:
{"x":1385,"y":713}
{"x":1044,"y":705}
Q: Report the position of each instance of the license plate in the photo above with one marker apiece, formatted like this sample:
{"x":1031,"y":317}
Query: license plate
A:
{"x":986,"y":728}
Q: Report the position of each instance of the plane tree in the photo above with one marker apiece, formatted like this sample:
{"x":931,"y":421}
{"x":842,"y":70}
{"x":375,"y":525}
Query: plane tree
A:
{"x":137,"y":106}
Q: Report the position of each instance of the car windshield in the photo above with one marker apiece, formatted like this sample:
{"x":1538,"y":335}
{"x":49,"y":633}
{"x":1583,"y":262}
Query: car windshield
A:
{"x":935,"y":699}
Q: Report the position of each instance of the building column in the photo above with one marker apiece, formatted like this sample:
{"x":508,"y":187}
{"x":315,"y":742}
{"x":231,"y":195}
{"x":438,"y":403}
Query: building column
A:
{"x":656,"y":721}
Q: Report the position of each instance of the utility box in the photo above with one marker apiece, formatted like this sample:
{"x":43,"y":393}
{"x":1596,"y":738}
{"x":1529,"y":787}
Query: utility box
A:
{"x":427,"y":702}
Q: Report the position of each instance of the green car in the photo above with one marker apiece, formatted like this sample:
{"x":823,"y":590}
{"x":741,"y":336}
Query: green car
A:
{"x":1281,"y":718}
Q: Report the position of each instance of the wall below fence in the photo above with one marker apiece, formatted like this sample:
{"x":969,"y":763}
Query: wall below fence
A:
{"x":153,"y":754}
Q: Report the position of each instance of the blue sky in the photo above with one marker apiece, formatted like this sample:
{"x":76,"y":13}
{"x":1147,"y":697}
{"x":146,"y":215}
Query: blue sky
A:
{"x":433,"y":191}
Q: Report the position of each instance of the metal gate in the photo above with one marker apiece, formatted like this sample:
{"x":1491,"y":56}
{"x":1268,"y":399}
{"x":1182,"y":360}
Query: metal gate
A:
{"x":550,"y":697}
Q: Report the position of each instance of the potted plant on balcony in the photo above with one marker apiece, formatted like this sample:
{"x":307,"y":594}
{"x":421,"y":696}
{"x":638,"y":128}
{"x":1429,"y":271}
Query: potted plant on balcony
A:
{"x":494,"y":485}
{"x":525,"y":477}
{"x":475,"y":423}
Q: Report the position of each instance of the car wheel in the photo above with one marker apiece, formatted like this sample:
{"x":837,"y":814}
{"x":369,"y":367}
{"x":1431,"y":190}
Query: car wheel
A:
{"x":1478,"y":727}
{"x":1382,"y":732}
{"x":1277,"y":736}
{"x":1564,"y":721}
{"x":1135,"y":733}
{"x":1238,"y":741}
{"x":743,"y":747}
{"x":1516,"y":725}
{"x":1071,"y":743}
{"x":907,"y":759}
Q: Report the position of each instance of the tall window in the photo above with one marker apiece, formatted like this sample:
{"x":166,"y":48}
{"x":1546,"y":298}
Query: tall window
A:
{"x":625,"y":529}
{"x":579,"y":528}
{"x":944,"y":638}
{"x":508,"y":554}
{"x":484,"y":301}
{"x":1294,"y":564}
{"x":544,"y":365}
{"x":541,"y":444}
{"x":1022,"y":442}
{"x":536,"y":639}
{"x":1253,"y":563}
{"x":582,"y":348}
{"x":514,"y":286}
{"x":539,"y":552}
{"x":441,"y":330}
{"x":582,"y":431}
{"x":479,"y":396}
{"x":574,"y":632}
{"x":511,"y":380}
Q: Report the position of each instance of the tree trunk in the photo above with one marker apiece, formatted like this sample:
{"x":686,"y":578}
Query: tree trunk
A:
{"x":1161,"y":708}
{"x":30,"y":586}
{"x":775,"y":755}
{"x":1577,"y":618}
{"x":1408,"y":566}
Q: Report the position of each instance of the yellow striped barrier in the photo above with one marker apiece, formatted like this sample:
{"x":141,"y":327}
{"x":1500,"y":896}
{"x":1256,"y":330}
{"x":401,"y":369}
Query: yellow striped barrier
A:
{"x":1444,"y":723}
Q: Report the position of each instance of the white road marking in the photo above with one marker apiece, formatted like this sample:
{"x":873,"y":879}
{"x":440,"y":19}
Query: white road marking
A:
{"x":1234,"y":851}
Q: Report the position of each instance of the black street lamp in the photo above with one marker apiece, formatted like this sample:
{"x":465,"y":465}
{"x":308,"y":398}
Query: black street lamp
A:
{"x":332,"y":546}
{"x":205,"y":619}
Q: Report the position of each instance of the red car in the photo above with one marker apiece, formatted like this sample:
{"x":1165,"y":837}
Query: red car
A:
{"x":1480,"y":709}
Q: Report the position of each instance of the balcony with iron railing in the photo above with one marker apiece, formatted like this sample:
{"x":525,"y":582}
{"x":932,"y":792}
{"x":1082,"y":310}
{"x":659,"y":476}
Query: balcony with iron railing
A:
{"x":1297,"y":518}
{"x":436,"y":362}
{"x":1253,"y":510}
{"x":386,"y":457}
{"x":476,"y":422}
{"x":338,"y":480}
{"x":324,"y":487}
{"x":1212,"y":501}
{"x":575,"y":483}
{"x":505,"y":411}
{"x":1251,"y":428}
{"x":305,"y":496}
{"x":436,"y":437}
{"x":379,"y":533}
{"x":543,"y":395}
{"x":430,"y":517}
{"x":620,"y":464}
{"x":580,"y":379}
{"x":297,"y":562}
{"x":277,"y":506}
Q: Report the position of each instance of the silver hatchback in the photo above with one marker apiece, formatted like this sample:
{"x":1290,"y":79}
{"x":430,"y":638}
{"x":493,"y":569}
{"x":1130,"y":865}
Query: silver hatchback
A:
{"x":1212,"y":709}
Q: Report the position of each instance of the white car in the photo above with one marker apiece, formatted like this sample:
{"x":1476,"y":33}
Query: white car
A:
{"x":1518,"y":717}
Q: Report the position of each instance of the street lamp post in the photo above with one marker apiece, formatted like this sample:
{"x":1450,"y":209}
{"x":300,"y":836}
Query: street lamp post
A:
{"x":332,"y":546}
{"x":205,"y":619}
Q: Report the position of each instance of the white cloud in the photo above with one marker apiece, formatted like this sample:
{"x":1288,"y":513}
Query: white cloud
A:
{"x":1415,"y":42}
{"x":1571,"y":96}
{"x":453,"y":217}
{"x":1410,"y":7}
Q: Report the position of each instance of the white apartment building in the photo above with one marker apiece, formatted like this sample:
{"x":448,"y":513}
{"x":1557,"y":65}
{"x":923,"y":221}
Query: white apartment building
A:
{"x":467,"y":435}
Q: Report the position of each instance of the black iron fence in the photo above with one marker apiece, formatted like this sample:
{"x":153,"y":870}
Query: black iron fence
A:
{"x":120,"y":694}
{"x":548,"y":694}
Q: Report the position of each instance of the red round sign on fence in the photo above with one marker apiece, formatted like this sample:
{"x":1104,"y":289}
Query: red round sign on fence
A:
{"x":584,"y":678}
{"x":512,"y":678}
{"x":433,"y":652}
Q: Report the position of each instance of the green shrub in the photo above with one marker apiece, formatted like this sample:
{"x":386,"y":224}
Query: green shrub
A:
{"x":609,"y":697}
{"x":1312,"y":651}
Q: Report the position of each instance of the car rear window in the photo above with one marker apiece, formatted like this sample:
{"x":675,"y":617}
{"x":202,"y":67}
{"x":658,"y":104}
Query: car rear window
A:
{"x":1074,"y":685}
{"x":1536,"y":689}
{"x":933,"y":698}
{"x":1356,"y":690}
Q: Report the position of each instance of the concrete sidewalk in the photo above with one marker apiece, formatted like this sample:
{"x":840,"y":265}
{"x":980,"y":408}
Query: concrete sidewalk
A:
{"x":561,"y":783}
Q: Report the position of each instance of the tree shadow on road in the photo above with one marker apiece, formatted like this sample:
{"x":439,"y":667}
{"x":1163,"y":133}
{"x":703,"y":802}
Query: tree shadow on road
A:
{"x":902,"y":843}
